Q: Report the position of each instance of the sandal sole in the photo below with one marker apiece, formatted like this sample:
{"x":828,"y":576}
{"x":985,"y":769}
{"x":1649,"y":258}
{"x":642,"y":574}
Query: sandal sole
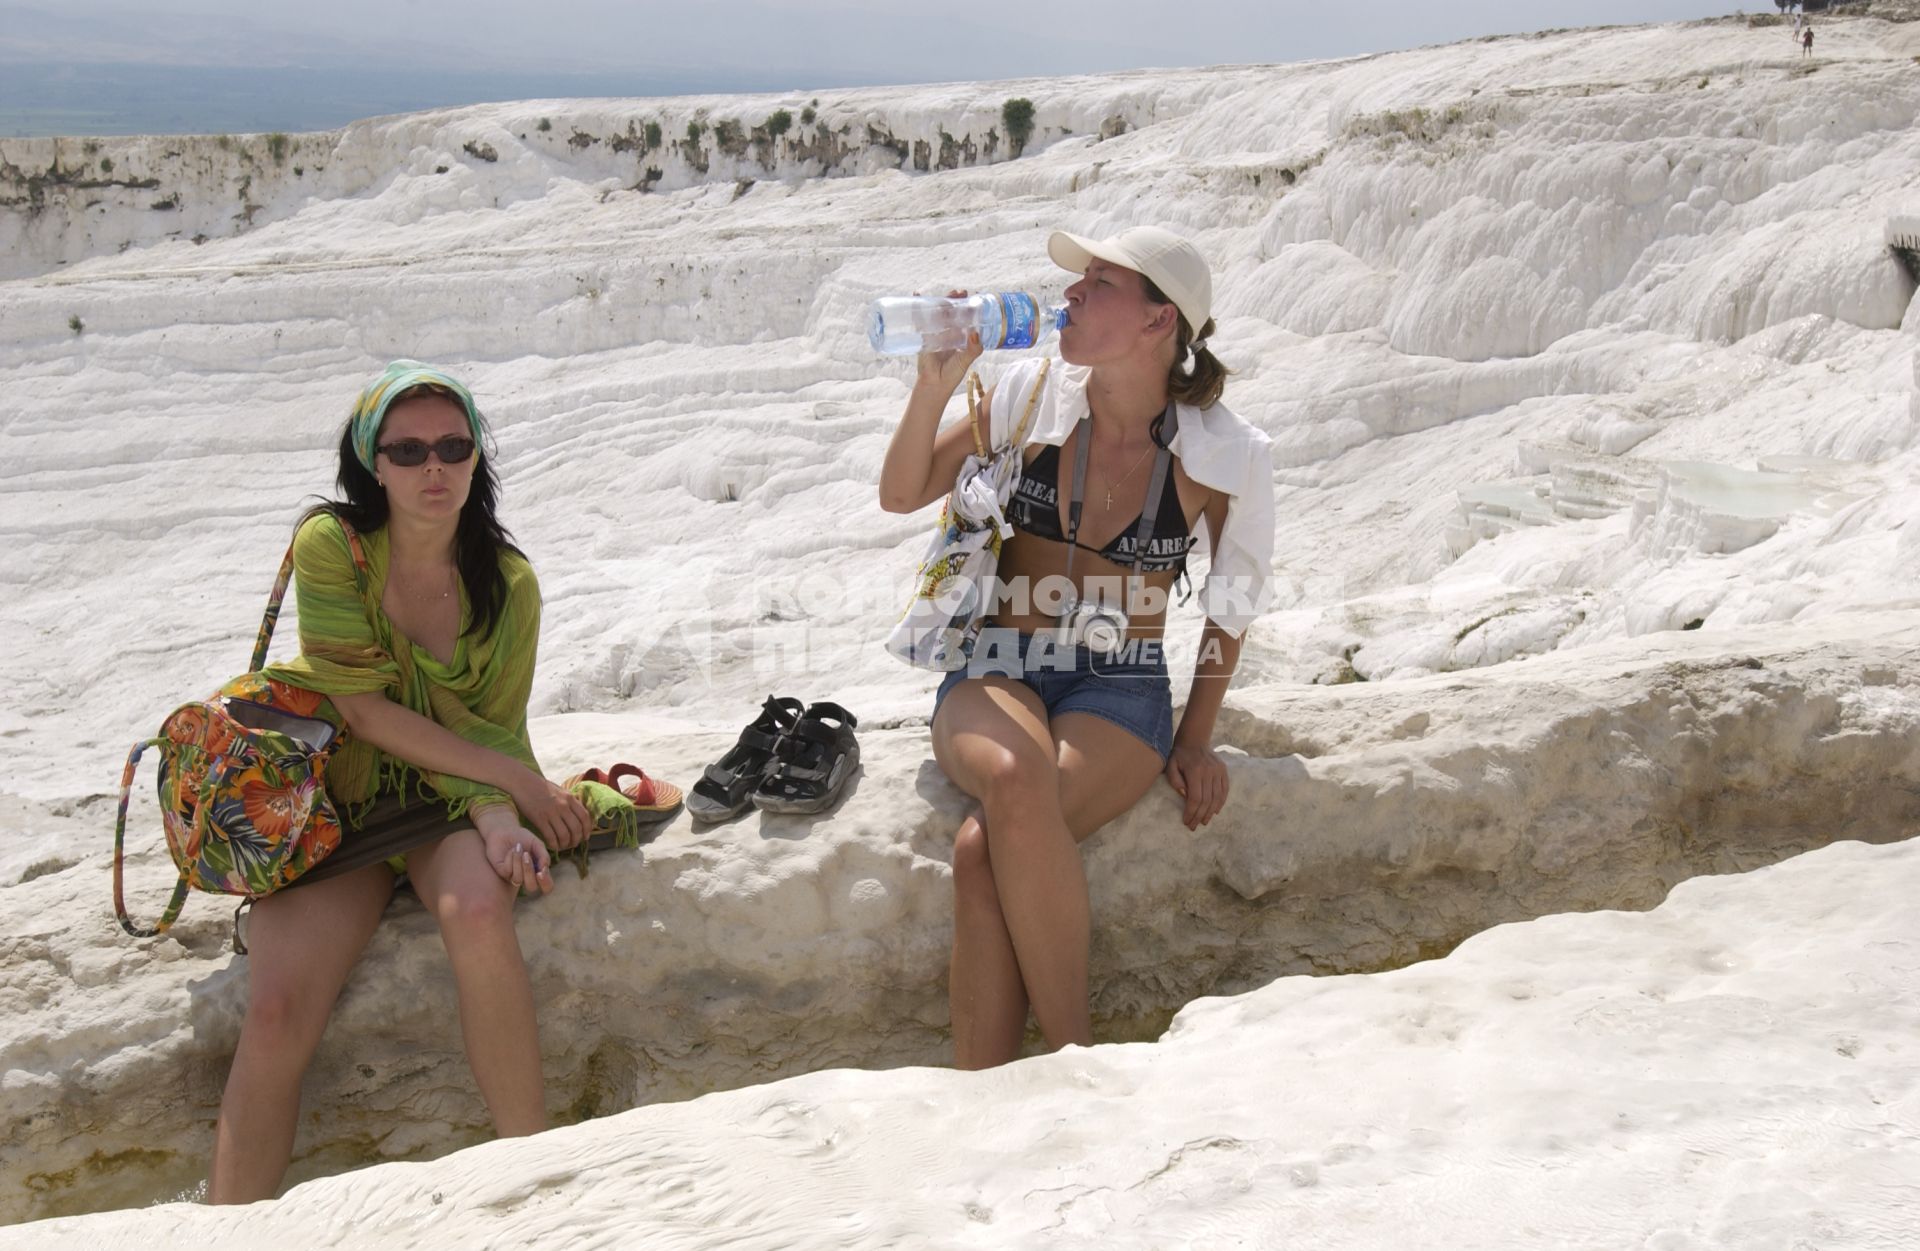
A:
{"x":709,"y":812}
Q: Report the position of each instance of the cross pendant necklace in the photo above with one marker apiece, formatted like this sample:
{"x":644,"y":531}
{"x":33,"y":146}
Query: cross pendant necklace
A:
{"x":1123,"y":477}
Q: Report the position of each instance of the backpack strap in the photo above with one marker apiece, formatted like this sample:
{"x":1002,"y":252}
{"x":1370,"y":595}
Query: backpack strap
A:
{"x":180,"y":888}
{"x":272,"y":617}
{"x":1019,"y":438}
{"x":976,"y":395}
{"x":279,"y":593}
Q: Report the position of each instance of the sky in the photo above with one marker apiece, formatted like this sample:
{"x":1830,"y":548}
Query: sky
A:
{"x":306,"y":66}
{"x":825,"y":40}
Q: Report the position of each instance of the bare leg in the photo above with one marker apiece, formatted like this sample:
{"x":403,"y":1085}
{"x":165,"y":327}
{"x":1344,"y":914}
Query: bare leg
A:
{"x":302,"y":944}
{"x":1101,"y":771}
{"x":1104,"y":770}
{"x":474,"y":908}
{"x":993,"y":740}
{"x":991,"y":737}
{"x":985,"y":995}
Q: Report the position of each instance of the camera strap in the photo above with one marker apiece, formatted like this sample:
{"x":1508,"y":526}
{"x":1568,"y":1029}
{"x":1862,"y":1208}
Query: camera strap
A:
{"x":1149,"y":515}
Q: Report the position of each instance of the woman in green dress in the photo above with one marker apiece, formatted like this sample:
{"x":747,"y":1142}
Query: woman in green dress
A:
{"x":418,"y":621}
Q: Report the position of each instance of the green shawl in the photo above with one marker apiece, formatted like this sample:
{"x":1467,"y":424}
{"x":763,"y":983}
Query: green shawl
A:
{"x":349,"y":646}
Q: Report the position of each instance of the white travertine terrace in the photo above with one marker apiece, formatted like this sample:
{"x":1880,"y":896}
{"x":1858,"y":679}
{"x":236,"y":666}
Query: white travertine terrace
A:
{"x":1589,"y":361}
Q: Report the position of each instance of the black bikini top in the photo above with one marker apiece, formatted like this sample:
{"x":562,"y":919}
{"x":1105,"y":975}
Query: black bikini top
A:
{"x":1035,"y":509}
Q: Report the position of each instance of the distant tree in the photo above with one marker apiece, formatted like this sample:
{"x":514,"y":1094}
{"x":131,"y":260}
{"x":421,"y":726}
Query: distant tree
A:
{"x":1017,"y":116}
{"x":778,"y":123}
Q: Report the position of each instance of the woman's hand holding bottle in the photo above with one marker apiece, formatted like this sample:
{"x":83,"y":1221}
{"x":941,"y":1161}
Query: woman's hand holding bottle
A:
{"x":944,"y":370}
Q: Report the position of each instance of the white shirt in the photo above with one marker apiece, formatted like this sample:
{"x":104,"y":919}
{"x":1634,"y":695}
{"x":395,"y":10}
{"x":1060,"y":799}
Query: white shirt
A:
{"x":1216,"y":447}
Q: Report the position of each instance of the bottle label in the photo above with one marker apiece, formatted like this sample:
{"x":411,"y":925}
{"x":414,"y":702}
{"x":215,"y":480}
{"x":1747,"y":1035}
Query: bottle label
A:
{"x":1020,"y":314}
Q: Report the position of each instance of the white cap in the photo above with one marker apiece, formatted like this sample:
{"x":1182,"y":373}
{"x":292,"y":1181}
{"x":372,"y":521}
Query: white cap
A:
{"x":1174,"y":265}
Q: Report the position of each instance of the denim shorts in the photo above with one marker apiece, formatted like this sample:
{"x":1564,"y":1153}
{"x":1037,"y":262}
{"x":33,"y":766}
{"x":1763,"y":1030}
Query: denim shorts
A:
{"x":1128,"y":687}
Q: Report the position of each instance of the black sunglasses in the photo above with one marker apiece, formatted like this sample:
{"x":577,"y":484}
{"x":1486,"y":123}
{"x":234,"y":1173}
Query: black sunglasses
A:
{"x":407,"y":453}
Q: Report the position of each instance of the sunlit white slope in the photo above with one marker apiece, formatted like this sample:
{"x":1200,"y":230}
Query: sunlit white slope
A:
{"x":1736,"y":1069}
{"x":1585,"y":256}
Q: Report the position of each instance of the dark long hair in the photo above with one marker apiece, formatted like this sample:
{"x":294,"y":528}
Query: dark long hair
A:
{"x":479,"y":540}
{"x":1201,"y":385}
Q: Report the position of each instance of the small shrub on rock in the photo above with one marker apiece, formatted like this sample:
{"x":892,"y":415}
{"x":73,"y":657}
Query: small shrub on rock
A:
{"x":1017,"y":116}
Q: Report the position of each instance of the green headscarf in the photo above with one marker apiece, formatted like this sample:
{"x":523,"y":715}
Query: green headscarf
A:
{"x":371,"y":408}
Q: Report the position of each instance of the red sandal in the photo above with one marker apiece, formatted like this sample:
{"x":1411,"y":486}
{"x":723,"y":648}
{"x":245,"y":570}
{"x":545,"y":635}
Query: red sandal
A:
{"x":653,"y":799}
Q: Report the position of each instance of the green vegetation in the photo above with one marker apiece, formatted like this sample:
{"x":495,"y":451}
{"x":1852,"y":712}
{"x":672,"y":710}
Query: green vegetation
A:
{"x":1416,"y":124}
{"x":778,"y":123}
{"x":806,"y":116}
{"x":694,"y":131}
{"x":653,"y":135}
{"x":106,"y":165}
{"x":75,"y":324}
{"x":1017,"y":116}
{"x":545,"y":125}
{"x":1411,"y":122}
{"x":277,"y":147}
{"x":726,"y":133}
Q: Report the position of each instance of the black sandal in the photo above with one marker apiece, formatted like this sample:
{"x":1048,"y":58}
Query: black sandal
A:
{"x":812,"y":763}
{"x":727,"y":788}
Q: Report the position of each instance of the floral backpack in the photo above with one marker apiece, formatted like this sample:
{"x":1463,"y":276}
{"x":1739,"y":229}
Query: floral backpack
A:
{"x":242,"y":781}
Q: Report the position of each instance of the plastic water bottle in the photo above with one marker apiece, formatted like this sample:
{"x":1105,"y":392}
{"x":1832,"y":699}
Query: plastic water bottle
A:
{"x":901,"y":325}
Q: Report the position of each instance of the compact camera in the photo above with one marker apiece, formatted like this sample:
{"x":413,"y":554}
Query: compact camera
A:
{"x":1095,"y":624}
